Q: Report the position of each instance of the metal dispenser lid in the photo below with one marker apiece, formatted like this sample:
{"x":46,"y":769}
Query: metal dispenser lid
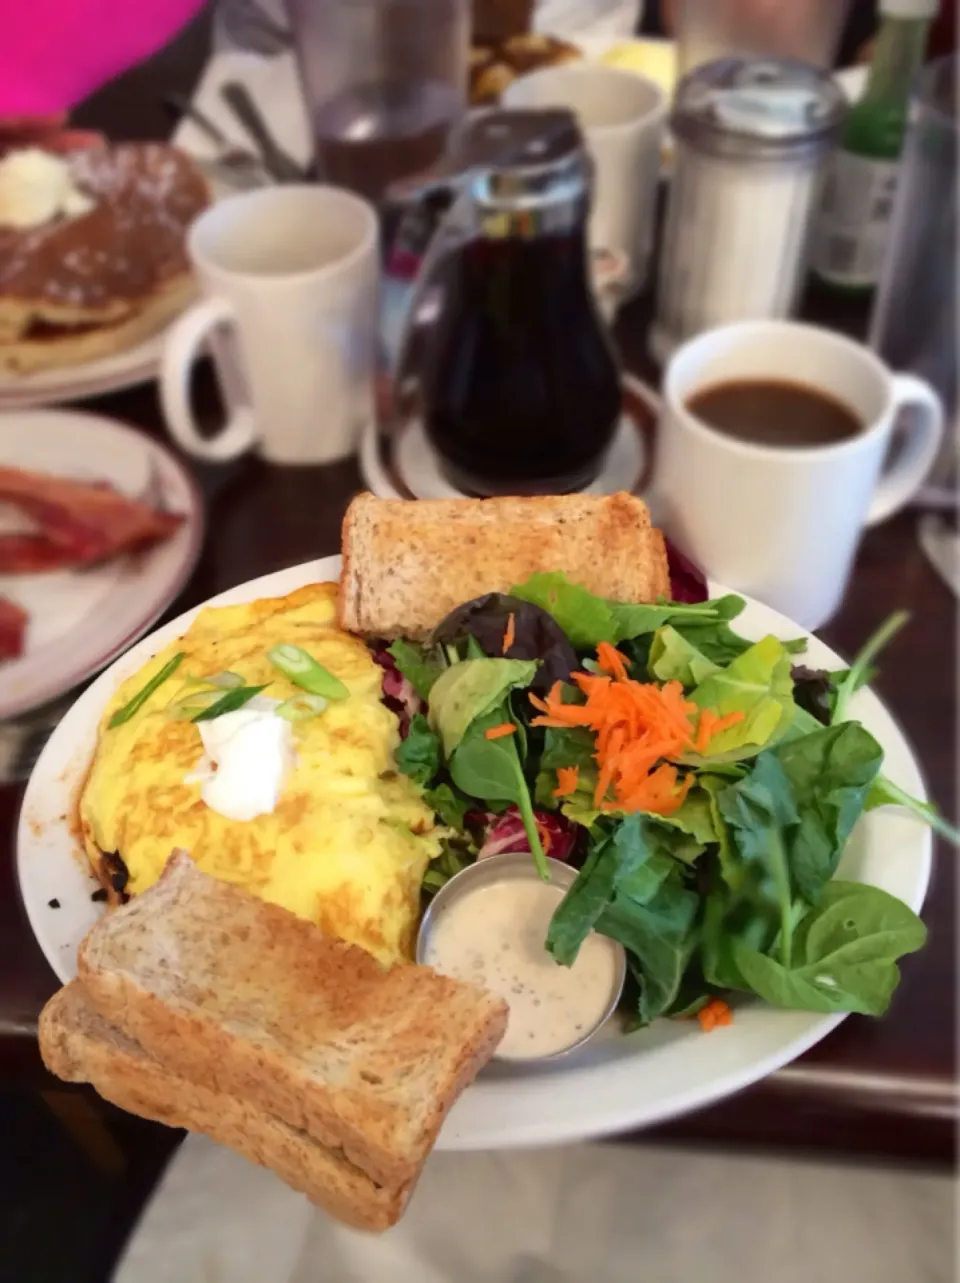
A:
{"x":758,"y":109}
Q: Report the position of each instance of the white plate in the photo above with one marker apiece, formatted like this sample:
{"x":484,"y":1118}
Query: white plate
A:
{"x":125,"y":369}
{"x":615,"y":1084}
{"x":82,"y":619}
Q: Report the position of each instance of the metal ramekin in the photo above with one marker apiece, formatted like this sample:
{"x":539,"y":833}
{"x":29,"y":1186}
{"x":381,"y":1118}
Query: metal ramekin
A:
{"x":498,"y":868}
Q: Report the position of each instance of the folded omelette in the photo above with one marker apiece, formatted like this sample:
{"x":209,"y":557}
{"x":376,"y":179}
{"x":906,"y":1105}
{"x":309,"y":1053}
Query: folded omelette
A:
{"x":349,"y":839}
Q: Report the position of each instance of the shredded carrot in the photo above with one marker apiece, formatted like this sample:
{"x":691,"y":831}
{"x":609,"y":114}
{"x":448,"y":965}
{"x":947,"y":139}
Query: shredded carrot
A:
{"x":609,"y":660}
{"x":498,"y":732}
{"x":568,"y":777}
{"x":510,"y":633}
{"x":546,"y":841}
{"x":714,"y":1014}
{"x":642,"y":731}
{"x":711,"y":724}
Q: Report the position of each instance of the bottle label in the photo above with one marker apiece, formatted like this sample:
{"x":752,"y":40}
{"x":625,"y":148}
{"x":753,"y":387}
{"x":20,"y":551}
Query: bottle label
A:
{"x":855,"y":214}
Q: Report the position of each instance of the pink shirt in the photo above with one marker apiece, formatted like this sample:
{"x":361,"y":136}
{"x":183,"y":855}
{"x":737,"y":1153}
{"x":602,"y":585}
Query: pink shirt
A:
{"x":53,"y":53}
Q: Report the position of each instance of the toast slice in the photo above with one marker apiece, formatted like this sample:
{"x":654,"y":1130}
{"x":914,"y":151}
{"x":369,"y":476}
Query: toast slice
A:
{"x":407,"y":564}
{"x":223,"y":988}
{"x":79,"y":1046}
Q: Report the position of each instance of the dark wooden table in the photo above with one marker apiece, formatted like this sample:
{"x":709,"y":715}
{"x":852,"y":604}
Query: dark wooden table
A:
{"x":884,"y":1089}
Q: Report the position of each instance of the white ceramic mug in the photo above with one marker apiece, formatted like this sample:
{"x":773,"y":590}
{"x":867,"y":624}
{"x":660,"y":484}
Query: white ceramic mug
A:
{"x":782,"y":523}
{"x":291,"y":273}
{"x":622,"y":116}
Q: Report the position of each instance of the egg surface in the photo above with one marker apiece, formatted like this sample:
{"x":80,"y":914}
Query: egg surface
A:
{"x":349,"y":839}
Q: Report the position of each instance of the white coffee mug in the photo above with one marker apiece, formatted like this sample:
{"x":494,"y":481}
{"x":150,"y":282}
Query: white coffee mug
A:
{"x":622,"y":116}
{"x":291,"y":273}
{"x":782,"y":523}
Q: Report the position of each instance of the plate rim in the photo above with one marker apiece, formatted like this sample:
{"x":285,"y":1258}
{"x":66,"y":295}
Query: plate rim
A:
{"x":604,"y":1116}
{"x":12,"y":706}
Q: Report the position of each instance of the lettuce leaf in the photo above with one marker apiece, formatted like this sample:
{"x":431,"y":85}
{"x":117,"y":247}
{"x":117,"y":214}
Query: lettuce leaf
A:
{"x":469,"y":690}
{"x":757,"y":684}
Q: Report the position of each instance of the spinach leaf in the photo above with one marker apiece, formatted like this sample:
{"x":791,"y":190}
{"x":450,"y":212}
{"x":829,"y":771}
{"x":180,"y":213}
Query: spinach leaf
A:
{"x":758,"y":685}
{"x":885,"y":793}
{"x":829,"y":773}
{"x":419,"y":754}
{"x":660,"y":941}
{"x":674,"y":658}
{"x":643,"y":882}
{"x":612,"y":860}
{"x":588,"y":620}
{"x":420,"y":665}
{"x":713,"y":786}
{"x":716,"y":640}
{"x":845,"y":957}
{"x":854,"y":677}
{"x":449,"y":806}
{"x":469,"y":690}
{"x":759,"y":810}
{"x":492,"y":771}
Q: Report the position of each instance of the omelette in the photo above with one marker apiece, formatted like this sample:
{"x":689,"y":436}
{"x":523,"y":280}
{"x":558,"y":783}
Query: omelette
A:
{"x":348,"y":841}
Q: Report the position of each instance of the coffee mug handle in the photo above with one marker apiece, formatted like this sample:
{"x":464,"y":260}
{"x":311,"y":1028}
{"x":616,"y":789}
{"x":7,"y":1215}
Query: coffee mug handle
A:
{"x":180,"y":351}
{"x":900,"y":483}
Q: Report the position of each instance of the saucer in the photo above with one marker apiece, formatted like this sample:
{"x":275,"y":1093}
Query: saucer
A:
{"x":405,"y":466}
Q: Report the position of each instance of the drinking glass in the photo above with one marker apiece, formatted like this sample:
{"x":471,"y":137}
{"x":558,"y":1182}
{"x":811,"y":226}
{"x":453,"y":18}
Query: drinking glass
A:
{"x":914,"y":321}
{"x":384,"y":83}
{"x":808,"y":30}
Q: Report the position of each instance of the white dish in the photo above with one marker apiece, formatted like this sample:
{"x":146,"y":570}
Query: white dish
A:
{"x":614,"y":1084}
{"x":112,"y":373}
{"x":79,"y":620}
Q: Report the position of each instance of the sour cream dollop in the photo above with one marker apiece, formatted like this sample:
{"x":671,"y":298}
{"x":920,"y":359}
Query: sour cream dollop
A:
{"x":247,"y":756}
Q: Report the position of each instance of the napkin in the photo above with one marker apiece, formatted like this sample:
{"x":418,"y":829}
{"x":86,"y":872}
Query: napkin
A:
{"x":577,"y":1214}
{"x":53,"y":53}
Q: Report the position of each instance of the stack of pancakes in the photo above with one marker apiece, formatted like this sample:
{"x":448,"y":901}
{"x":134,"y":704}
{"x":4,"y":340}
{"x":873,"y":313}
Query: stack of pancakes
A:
{"x":75,"y":289}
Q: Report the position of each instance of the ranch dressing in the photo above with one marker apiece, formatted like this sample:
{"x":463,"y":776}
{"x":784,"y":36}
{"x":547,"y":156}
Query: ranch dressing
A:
{"x":494,"y":937}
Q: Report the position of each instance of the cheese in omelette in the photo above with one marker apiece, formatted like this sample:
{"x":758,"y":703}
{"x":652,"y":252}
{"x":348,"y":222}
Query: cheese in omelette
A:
{"x":349,"y":839}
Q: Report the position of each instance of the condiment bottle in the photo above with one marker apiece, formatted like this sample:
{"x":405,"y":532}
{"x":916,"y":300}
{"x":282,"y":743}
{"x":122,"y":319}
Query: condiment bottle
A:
{"x":751,"y":138}
{"x":854,"y":220}
{"x":521,"y":387}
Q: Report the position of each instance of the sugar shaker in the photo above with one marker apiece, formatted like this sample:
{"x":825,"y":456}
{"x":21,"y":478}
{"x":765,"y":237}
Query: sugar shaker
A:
{"x":751,"y":138}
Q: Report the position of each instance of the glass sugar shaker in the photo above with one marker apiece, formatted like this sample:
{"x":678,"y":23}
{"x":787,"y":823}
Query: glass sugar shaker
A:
{"x":751,"y":138}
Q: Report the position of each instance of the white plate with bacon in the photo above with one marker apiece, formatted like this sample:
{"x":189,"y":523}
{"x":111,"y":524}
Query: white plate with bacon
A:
{"x":100,"y":528}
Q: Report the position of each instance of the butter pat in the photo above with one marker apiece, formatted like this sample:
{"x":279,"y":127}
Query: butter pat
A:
{"x":37,"y":187}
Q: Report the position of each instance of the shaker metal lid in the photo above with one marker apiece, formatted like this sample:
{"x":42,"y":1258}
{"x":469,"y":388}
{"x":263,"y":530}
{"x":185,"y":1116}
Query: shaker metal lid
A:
{"x":758,"y":108}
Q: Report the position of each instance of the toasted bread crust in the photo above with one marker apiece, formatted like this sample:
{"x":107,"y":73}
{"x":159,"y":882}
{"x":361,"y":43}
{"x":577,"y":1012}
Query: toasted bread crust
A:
{"x":359,"y":1057}
{"x":77,"y":1045}
{"x":408,"y":564}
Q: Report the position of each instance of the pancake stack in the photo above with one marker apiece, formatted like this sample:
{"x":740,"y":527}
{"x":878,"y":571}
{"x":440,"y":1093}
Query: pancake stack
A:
{"x":76,"y":289}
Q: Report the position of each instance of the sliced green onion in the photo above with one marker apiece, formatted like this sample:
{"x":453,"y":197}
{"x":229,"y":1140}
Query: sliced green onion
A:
{"x":130,"y":709}
{"x":226,"y":681}
{"x":229,"y":702}
{"x":300,"y":707}
{"x":304,"y":671}
{"x":185,"y":709}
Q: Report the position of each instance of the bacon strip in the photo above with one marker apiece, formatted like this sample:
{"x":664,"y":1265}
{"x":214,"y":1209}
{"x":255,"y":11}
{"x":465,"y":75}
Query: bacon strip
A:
{"x":13,"y":626}
{"x":79,"y":523}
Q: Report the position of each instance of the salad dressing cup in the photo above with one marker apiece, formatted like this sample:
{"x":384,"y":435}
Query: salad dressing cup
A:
{"x":488,"y":925}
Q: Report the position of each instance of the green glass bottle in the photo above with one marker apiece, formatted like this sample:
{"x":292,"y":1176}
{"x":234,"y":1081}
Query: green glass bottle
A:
{"x":854,"y":217}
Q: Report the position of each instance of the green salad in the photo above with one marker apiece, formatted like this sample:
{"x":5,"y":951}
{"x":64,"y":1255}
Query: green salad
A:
{"x":704,"y":785}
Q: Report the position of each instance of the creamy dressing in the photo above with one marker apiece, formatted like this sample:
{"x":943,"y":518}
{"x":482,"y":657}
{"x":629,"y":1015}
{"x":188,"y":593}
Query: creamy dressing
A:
{"x":247,"y":756}
{"x":494,"y":936}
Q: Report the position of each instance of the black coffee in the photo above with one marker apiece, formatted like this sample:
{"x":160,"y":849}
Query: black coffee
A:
{"x":770,"y":412}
